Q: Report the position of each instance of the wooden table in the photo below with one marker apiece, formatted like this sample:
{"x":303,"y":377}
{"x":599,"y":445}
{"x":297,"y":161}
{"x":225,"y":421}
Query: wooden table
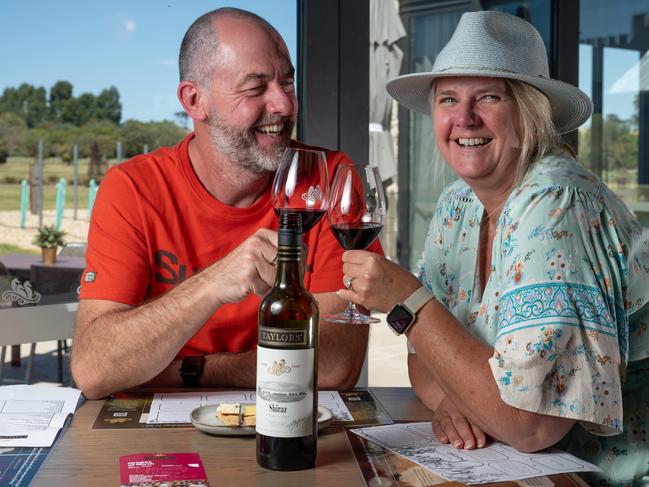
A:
{"x":85,"y":456}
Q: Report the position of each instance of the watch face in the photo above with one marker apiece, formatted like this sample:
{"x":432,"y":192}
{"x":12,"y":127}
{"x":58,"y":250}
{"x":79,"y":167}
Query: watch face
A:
{"x":192,"y":365}
{"x":400,"y":319}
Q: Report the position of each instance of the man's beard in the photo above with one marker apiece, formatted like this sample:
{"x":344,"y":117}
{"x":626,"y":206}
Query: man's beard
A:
{"x":242,"y":148}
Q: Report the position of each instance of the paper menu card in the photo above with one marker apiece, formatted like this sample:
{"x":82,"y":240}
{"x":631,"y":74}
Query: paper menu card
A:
{"x":19,"y":466}
{"x":495,"y":463}
{"x":379,"y":466}
{"x":163,"y":469}
{"x":32,"y":416}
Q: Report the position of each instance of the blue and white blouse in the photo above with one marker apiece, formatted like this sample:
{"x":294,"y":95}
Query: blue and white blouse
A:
{"x":566,"y":306}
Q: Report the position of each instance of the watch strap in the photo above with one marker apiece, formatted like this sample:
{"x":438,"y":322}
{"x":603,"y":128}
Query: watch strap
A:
{"x":190,"y":380}
{"x":410,"y":347}
{"x":418,"y":299}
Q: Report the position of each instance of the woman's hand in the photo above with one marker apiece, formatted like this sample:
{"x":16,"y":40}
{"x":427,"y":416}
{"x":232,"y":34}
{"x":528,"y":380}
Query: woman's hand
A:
{"x":450,"y":426}
{"x":376,"y":282}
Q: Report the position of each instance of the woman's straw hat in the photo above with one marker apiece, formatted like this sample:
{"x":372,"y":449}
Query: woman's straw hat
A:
{"x":498,"y":45}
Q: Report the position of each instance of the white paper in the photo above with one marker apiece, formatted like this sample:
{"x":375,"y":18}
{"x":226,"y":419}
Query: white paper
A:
{"x":496,"y":463}
{"x":31,"y":416}
{"x":177,"y":407}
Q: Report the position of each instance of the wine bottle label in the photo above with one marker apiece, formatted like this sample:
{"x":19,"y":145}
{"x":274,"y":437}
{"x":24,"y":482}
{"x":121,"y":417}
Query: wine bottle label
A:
{"x":285,"y":392}
{"x":283,"y":337}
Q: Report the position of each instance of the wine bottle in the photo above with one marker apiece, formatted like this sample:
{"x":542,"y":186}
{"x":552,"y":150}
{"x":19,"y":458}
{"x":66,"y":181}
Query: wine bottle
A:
{"x":287,"y":361}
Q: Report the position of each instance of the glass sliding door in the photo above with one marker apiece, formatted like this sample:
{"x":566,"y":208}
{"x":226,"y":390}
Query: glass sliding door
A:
{"x":614,"y":71}
{"x":427,"y":177}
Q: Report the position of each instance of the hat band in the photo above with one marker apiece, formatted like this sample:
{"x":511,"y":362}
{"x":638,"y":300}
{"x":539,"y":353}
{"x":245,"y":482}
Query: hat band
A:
{"x":483,"y":68}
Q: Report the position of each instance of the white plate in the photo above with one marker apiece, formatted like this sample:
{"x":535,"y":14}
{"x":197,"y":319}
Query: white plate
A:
{"x":204,"y":418}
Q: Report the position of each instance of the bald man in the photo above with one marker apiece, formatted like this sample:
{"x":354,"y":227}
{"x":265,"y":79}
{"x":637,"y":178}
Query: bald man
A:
{"x":182,"y":240}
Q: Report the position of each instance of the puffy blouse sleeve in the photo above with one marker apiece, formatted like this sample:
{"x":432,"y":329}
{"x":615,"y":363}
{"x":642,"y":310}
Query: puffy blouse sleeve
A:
{"x":562,"y":330}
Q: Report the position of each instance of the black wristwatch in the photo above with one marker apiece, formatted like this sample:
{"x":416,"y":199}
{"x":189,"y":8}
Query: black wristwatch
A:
{"x":403,"y":314}
{"x":191,"y":369}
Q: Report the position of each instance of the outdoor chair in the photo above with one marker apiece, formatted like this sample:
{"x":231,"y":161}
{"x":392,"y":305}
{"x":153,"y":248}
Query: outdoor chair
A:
{"x":40,"y":309}
{"x":74,"y":249}
{"x":32,"y":324}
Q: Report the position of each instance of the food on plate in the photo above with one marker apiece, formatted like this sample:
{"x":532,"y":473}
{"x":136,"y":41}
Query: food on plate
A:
{"x":229,"y":413}
{"x":249,"y":414}
{"x":237,"y":414}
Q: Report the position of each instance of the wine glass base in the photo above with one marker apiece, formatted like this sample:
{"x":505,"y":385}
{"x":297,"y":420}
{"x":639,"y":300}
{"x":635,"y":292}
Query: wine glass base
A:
{"x":350,"y":319}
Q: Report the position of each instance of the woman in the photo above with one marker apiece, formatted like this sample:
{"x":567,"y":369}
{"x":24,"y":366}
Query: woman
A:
{"x":531,"y":325}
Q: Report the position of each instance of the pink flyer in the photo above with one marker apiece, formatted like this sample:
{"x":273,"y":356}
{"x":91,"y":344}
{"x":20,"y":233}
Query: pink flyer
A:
{"x":162,"y":470}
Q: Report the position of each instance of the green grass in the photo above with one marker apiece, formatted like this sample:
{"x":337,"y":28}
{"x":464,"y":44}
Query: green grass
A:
{"x":10,"y":197}
{"x":17,"y":168}
{"x":54,"y":168}
{"x":14,"y":249}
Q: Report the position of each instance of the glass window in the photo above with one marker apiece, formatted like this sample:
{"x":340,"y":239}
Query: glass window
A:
{"x":428,"y":34}
{"x":614,"y":71}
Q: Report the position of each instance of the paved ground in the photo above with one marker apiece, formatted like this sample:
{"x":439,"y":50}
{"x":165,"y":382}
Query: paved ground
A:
{"x":387,"y":355}
{"x":44,"y":369}
{"x":386,"y":359}
{"x":11,"y":233}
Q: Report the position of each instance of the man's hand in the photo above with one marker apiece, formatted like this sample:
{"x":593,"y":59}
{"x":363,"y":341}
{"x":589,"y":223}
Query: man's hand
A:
{"x":450,"y":426}
{"x":248,"y":269}
{"x":376,"y":282}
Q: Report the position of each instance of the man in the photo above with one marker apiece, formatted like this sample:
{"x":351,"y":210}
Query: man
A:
{"x":180,"y":246}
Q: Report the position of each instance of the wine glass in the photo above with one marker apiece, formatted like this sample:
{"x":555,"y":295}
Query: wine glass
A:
{"x":301,"y":185}
{"x":356,"y":214}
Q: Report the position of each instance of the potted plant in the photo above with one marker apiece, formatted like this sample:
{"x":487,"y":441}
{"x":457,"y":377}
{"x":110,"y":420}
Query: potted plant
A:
{"x":48,"y":239}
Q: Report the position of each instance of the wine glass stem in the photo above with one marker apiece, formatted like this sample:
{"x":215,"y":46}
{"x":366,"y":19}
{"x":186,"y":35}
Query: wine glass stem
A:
{"x":352,"y":310}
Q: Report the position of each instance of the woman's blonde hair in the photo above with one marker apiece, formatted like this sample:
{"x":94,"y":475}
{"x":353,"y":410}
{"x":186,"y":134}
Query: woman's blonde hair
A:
{"x":538,"y":135}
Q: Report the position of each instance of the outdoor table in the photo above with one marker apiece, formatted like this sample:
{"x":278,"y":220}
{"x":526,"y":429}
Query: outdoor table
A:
{"x":85,"y":456}
{"x":19,"y":265}
{"x":60,"y":276}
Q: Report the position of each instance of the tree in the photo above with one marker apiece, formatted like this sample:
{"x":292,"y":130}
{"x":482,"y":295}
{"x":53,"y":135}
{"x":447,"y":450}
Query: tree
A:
{"x":78,"y":111}
{"x":621,"y":143}
{"x":182,"y":119}
{"x":13,"y":130}
{"x":60,"y":93}
{"x":27,"y":101}
{"x":134,"y":134}
{"x":4,"y":152}
{"x":102,"y":132}
{"x":108,"y":106}
{"x":32,"y":105}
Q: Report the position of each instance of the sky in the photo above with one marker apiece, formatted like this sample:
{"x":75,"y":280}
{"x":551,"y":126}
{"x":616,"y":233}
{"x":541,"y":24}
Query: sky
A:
{"x":130,"y":44}
{"x":621,"y":79}
{"x":133,"y":45}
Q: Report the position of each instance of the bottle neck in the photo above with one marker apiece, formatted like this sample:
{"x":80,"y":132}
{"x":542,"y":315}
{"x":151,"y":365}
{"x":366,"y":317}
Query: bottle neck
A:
{"x":289,"y":272}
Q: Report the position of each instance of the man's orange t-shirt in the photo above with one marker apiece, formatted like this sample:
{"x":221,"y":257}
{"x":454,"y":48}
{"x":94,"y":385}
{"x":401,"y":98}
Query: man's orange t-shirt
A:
{"x":154,"y":224}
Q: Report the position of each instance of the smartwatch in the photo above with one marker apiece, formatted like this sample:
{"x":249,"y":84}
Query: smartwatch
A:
{"x":403,"y":314}
{"x":191,"y":369}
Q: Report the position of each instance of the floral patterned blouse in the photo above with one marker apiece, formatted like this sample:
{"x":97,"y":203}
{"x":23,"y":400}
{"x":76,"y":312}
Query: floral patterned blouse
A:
{"x":566,"y":307}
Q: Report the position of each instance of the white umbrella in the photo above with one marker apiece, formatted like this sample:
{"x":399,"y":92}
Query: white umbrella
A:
{"x":385,"y":62}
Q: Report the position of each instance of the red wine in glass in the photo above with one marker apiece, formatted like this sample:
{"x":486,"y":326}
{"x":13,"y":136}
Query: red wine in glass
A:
{"x":356,"y":213}
{"x":356,"y":236}
{"x":301,"y":185}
